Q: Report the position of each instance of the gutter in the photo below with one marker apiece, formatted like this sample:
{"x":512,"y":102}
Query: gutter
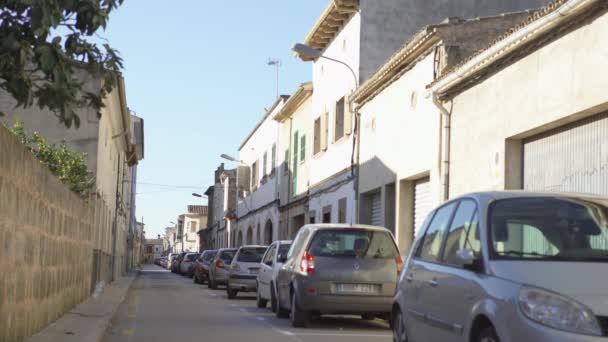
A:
{"x":445,"y":146}
{"x":510,"y":43}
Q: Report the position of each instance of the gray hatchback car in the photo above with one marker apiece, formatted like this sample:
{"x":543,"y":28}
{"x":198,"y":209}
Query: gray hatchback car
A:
{"x":219,"y":267}
{"x":509,"y":267}
{"x":244,"y":270}
{"x":338,"y":269}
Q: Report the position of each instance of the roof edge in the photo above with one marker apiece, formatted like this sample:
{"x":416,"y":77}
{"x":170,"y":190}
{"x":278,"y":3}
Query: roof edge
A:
{"x":303,"y":93}
{"x":268,"y":112}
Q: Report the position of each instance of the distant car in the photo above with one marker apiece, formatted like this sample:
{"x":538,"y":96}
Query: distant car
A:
{"x":201,"y":266}
{"x":218,"y":270}
{"x":269,"y":269}
{"x":339,"y":269}
{"x":163,"y":262}
{"x":507,"y":266}
{"x":244,"y":270}
{"x":176,"y":261}
{"x":186,"y":267}
{"x":170,"y":259}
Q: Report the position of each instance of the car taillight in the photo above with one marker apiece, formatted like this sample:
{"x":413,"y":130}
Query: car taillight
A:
{"x":399,"y":261}
{"x":219,"y":264}
{"x":235,"y":267}
{"x":307,"y":264}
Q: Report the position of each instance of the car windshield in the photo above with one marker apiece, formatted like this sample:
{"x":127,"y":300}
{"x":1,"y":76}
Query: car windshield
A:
{"x":227,"y":256}
{"x":208,"y":256}
{"x":356,"y":243}
{"x":549,"y":229}
{"x":251,"y":254}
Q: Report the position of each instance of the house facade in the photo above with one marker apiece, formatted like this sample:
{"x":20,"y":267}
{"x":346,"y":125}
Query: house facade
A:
{"x":257,"y":212}
{"x":295,"y":133}
{"x":547,"y":128}
{"x":221,"y":198}
{"x":399,"y":160}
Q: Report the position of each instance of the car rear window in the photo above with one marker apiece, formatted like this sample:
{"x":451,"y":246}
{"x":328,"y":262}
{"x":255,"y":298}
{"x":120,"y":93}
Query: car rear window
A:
{"x":208,"y":256}
{"x":227,"y":256}
{"x":283,"y":249}
{"x":354,"y":243}
{"x":251,"y":254}
{"x":192,"y":257}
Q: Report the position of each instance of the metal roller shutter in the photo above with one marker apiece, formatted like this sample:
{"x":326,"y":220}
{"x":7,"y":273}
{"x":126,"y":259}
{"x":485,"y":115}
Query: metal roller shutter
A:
{"x":573,"y":158}
{"x":422,"y":202}
{"x":376,"y":219}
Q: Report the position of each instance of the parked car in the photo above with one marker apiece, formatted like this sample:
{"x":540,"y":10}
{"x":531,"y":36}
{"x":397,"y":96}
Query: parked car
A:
{"x":244,"y":270}
{"x":338,"y":269}
{"x":162,"y":262}
{"x":218,"y":270}
{"x":176,"y":261}
{"x":269,"y":269}
{"x":201,"y":266}
{"x":170,"y":259}
{"x":186,"y":267}
{"x":508,"y":266}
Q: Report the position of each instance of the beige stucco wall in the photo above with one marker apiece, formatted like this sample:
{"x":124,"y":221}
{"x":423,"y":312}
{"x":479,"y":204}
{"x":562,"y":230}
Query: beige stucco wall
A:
{"x":561,"y":82}
{"x":400,"y":141}
{"x":49,"y":234}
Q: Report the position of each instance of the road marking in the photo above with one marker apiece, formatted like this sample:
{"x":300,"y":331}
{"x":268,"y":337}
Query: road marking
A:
{"x":128,"y":332}
{"x":243,"y":310}
{"x":284,"y":332}
{"x":260,"y":318}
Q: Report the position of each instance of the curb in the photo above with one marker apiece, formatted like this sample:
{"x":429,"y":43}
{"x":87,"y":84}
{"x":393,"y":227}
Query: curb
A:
{"x":89,"y":320}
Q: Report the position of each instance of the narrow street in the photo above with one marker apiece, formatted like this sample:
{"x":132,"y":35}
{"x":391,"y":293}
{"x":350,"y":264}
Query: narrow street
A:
{"x":162,"y":306}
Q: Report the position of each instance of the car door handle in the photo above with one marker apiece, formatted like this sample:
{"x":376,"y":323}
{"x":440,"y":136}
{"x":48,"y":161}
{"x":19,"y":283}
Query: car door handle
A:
{"x":433,"y":282}
{"x":409,"y":278}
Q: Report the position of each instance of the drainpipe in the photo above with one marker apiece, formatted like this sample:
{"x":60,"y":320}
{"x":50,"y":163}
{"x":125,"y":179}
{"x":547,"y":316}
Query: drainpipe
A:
{"x":289,"y":179}
{"x":115,"y":225}
{"x":445,"y":146}
{"x":357,"y":159}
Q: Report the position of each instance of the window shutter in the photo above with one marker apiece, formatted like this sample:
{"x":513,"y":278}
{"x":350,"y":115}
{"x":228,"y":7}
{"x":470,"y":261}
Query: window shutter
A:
{"x":339,"y":120}
{"x":348,"y":117}
{"x":273,"y":163}
{"x":286,"y":162}
{"x":324,"y":131}
{"x":317,"y":136}
{"x":303,"y":148}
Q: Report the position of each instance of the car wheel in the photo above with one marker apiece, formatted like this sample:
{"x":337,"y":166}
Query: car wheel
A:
{"x":273,"y":299}
{"x":195,"y":279}
{"x":487,"y":335}
{"x":280,"y":313}
{"x":231,"y":293}
{"x":211,"y":283}
{"x":399,"y":332}
{"x":368,"y":317}
{"x":261,"y":303}
{"x":299,"y":318}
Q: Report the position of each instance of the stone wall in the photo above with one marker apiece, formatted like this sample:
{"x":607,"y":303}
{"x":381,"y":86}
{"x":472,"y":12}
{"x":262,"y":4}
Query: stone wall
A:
{"x":48,"y":236}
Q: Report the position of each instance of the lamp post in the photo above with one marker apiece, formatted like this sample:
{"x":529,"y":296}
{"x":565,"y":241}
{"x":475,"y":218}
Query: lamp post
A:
{"x":305,"y":51}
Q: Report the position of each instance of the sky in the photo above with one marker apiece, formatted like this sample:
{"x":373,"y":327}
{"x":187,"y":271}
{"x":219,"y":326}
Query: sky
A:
{"x":196,"y":71}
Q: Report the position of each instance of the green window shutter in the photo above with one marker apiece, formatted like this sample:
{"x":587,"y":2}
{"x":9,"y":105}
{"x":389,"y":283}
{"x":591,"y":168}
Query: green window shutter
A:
{"x":294,"y":171}
{"x":303,"y":148}
{"x":286,"y":163}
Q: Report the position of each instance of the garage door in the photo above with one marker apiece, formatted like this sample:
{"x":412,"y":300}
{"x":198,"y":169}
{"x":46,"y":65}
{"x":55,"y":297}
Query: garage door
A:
{"x":422,"y":202}
{"x":573,"y":158}
{"x":376,"y":217}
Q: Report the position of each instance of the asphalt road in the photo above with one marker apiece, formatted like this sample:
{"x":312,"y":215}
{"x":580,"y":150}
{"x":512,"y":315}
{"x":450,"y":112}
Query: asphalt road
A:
{"x":162,"y":306}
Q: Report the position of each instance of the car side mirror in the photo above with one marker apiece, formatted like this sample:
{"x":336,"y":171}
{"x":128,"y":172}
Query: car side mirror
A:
{"x":466,"y":257}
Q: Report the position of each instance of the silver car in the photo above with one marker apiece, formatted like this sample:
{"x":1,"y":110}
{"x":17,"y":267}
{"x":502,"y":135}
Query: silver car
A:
{"x":218,"y":270}
{"x":338,"y":269}
{"x":269,"y":269}
{"x":244,"y":270}
{"x":510,"y":267}
{"x":185,"y":267}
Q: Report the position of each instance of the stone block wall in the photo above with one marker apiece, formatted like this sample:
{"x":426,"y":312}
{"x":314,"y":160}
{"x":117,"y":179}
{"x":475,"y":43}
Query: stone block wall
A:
{"x":48,"y":236}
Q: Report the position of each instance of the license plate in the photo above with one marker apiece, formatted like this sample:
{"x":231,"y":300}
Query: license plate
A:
{"x":253,"y":270}
{"x":358,"y":288}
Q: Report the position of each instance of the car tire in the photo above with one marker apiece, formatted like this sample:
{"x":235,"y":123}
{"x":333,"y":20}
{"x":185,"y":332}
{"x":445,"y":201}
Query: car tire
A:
{"x":368,"y":317}
{"x":195,"y":279}
{"x":281,"y":313}
{"x":299,"y":318}
{"x":398,"y":326}
{"x":231,"y":293}
{"x":261,"y":303}
{"x":211,"y":284}
{"x":273,"y":299}
{"x":487,"y":334}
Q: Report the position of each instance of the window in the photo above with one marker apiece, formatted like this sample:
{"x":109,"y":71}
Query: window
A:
{"x":254,"y":175}
{"x":227,"y":256}
{"x":325,"y":131}
{"x":355,"y":243}
{"x":342,"y":210}
{"x":286,"y":163}
{"x":251,"y":254}
{"x":339,"y":120}
{"x":431,"y":244}
{"x":265,"y":161}
{"x":193,"y":227}
{"x":269,"y":257}
{"x":303,"y":148}
{"x":327,"y":214}
{"x":298,"y":242}
{"x":463,"y":232}
{"x":273,"y":161}
{"x":317,"y":136}
{"x":312,"y":217}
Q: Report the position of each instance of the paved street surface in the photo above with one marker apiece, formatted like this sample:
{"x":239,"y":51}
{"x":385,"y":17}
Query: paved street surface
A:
{"x":162,"y":306}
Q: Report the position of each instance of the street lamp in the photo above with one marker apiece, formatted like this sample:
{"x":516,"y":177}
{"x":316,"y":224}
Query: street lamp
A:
{"x":307,"y":52}
{"x":199,"y":195}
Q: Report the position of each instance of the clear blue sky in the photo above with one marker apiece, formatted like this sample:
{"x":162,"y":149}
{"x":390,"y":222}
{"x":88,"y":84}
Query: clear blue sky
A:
{"x":196,"y":72}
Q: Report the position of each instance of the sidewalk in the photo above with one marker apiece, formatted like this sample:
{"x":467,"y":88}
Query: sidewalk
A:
{"x":88,"y":321}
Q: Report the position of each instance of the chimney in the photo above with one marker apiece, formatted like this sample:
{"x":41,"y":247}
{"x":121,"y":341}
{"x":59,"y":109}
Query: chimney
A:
{"x":159,"y":236}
